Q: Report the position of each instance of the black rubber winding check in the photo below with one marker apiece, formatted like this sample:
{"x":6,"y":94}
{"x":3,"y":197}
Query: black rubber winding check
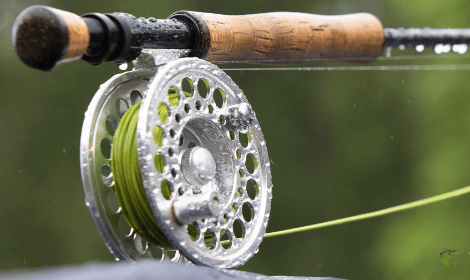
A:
{"x":121,"y":37}
{"x":110,"y":39}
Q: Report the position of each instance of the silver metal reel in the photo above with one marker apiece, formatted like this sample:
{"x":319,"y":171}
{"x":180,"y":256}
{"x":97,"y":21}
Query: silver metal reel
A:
{"x":208,"y":118}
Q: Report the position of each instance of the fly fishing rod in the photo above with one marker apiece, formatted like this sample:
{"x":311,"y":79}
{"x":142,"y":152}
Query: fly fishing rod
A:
{"x":45,"y":37}
{"x":172,"y":155}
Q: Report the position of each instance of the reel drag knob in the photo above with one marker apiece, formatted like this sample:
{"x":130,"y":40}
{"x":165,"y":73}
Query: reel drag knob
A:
{"x":202,"y":160}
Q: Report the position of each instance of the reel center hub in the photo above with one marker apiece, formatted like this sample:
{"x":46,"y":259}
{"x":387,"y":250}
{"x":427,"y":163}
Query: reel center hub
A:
{"x":198,"y":166}
{"x":207,"y":164}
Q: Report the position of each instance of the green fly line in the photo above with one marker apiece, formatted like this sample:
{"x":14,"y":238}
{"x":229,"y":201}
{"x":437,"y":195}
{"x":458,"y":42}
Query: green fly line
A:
{"x":128,"y":182}
{"x":386,"y":211}
{"x":135,"y":208}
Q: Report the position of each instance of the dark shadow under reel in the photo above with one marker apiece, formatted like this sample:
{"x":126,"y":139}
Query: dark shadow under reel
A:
{"x":209,"y":129}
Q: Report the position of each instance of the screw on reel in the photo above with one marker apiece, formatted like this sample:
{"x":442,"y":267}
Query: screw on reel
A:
{"x":215,"y":164}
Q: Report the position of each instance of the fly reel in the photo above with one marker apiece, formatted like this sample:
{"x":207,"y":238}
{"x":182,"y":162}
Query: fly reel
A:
{"x":202,"y":159}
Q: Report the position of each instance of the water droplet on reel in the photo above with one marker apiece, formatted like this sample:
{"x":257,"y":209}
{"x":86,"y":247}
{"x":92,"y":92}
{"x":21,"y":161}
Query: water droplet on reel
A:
{"x":123,"y":66}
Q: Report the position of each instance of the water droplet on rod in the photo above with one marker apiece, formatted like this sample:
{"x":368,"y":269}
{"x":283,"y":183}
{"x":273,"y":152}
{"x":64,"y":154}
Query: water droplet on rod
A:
{"x":460,"y":48}
{"x":446,"y":48}
{"x":439,"y":48}
{"x":419,"y":48}
{"x":388,"y":52}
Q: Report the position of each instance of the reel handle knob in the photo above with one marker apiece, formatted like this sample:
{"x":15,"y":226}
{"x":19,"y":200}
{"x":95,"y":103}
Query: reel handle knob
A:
{"x":189,"y":208}
{"x":44,"y":37}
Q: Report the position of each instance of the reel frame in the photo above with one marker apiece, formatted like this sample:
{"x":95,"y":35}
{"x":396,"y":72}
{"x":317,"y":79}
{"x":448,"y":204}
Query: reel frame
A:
{"x":200,"y":122}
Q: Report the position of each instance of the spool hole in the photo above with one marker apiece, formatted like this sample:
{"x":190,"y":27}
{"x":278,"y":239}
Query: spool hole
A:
{"x":106,"y":170}
{"x":177,"y":118}
{"x":158,"y":135}
{"x":225,"y":240}
{"x":121,"y":107}
{"x":172,"y":254}
{"x":124,"y":227}
{"x":209,"y":239}
{"x":156,"y":252}
{"x":210,"y":108}
{"x":163,"y":112}
{"x":221,"y":119}
{"x":252,"y":189}
{"x":140,"y":244}
{"x":244,"y":139}
{"x":198,"y":105}
{"x":219,"y":98}
{"x":251,"y":163}
{"x":111,"y":124}
{"x":107,"y":175}
{"x":234,"y":207}
{"x":105,"y":146}
{"x":181,"y":140}
{"x":187,"y":108}
{"x":191,"y":144}
{"x":248,"y":212}
{"x":173,"y":96}
{"x":113,"y":203}
{"x":238,"y":229}
{"x":193,"y":231}
{"x":231,"y":135}
{"x":240,"y":192}
{"x":167,"y":189}
{"x":135,"y":97}
{"x":202,"y":88}
{"x":159,"y":162}
{"x":188,"y":87}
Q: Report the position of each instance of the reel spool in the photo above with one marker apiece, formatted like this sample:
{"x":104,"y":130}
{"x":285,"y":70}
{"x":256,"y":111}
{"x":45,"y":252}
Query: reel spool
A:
{"x":215,"y":159}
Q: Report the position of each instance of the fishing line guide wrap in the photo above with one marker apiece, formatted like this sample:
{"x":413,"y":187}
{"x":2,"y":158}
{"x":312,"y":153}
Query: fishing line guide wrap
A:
{"x":185,"y":128}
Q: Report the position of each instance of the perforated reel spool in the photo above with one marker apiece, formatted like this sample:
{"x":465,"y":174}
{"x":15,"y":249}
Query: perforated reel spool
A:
{"x":199,"y":118}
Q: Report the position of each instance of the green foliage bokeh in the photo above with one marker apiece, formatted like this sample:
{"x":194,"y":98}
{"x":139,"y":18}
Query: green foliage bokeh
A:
{"x":341,"y":143}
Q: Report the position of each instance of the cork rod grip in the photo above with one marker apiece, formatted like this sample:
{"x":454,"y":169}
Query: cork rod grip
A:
{"x":286,"y":37}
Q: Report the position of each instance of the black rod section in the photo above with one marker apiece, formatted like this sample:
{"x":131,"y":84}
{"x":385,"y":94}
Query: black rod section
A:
{"x":121,"y":36}
{"x":425,"y":36}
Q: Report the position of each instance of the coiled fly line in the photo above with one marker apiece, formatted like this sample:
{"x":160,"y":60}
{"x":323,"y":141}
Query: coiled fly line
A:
{"x":128,"y":181}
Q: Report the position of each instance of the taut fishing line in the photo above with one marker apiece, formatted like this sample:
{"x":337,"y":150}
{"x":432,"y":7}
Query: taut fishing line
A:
{"x":448,"y":67}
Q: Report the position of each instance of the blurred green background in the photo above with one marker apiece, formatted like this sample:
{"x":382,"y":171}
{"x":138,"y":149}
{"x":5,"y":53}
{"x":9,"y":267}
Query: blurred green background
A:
{"x":342,"y":143}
